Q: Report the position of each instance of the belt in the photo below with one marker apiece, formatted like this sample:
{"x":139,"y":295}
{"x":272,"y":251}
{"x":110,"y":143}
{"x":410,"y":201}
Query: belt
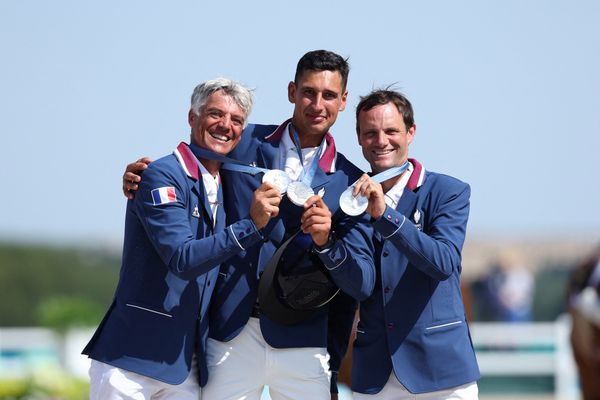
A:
{"x":255,"y":311}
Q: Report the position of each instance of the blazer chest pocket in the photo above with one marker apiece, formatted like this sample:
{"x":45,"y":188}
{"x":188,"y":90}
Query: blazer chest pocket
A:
{"x":148,"y":309}
{"x":443,"y":327}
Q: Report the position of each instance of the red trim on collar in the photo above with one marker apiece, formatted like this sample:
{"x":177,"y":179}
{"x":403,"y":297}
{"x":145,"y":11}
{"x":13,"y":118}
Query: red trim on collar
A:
{"x":188,"y":160}
{"x":327,"y":158}
{"x":326,"y":161}
{"x":278,"y":133}
{"x":414,"y":181}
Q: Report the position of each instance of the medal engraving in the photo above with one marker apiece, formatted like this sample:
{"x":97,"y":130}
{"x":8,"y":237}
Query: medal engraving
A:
{"x":278,"y":178}
{"x":353,"y":205}
{"x":298,"y":192}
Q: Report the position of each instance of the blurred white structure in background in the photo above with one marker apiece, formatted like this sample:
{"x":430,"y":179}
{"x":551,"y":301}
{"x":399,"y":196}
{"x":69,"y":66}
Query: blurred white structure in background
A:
{"x":503,"y":349}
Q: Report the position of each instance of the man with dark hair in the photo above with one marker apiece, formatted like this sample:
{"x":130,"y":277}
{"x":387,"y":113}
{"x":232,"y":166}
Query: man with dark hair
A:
{"x":151,"y":343}
{"x":249,"y":346}
{"x":412,"y":339}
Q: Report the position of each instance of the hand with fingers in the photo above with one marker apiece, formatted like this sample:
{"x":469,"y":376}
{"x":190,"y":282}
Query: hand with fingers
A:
{"x":265,"y":204}
{"x":316,"y":220}
{"x":132,"y":176}
{"x":373,"y":191}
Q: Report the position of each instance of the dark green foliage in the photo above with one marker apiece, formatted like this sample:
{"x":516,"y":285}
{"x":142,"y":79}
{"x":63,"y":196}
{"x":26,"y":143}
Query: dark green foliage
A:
{"x":31,"y":275}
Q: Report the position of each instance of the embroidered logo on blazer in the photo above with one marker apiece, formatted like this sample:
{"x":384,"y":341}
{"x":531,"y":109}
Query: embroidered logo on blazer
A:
{"x":196,"y":213}
{"x":417,"y":219}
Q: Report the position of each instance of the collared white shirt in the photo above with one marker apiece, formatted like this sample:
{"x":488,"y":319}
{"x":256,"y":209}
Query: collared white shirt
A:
{"x":289,"y":160}
{"x":211,"y":187}
{"x":392,"y":196}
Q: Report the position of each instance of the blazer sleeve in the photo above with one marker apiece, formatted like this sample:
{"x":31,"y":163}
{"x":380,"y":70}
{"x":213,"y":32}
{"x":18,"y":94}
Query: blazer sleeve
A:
{"x":350,"y":258}
{"x":436,"y":250}
{"x":169,"y":228}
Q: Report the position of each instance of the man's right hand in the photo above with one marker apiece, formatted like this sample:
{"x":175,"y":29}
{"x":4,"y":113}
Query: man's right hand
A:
{"x":373,"y":191}
{"x":265,"y":204}
{"x":132,"y":177}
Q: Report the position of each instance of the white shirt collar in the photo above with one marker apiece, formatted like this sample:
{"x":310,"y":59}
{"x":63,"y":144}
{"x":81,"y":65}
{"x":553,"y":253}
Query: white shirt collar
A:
{"x":289,"y":160}
{"x":211,"y":187}
{"x":392,"y":196}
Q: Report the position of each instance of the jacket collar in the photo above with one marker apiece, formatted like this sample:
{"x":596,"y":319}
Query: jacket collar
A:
{"x":189,"y":164}
{"x":327,"y":158}
{"x":187,"y":160}
{"x":418,"y":175}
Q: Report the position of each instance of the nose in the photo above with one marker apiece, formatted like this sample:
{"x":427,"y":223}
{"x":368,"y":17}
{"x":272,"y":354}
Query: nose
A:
{"x":318,"y":102}
{"x":381,"y":139}
{"x":225,"y":122}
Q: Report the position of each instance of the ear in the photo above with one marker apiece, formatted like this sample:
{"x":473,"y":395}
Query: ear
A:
{"x":411,"y":133}
{"x":292,"y":92}
{"x":192,"y":117}
{"x":344,"y":99}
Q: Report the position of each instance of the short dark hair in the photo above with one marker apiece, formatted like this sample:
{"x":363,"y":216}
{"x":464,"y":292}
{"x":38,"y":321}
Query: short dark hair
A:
{"x":323,"y":60}
{"x":380,"y":97}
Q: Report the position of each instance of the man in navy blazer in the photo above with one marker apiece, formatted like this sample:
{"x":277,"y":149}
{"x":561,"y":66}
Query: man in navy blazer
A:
{"x":151,"y":343}
{"x":247,"y":350}
{"x":412,"y":340}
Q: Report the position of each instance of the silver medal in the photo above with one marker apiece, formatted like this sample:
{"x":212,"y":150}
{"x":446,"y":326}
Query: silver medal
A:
{"x":278,"y":178}
{"x":298,"y":192}
{"x":353,"y":205}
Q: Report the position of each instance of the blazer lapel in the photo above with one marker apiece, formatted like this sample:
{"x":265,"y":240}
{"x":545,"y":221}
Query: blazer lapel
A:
{"x":407,"y":202}
{"x":220,"y":223}
{"x":205,"y":204}
{"x":268,"y":151}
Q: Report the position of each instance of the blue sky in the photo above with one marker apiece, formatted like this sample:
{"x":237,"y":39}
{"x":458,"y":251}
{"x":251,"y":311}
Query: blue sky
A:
{"x":505,"y":97}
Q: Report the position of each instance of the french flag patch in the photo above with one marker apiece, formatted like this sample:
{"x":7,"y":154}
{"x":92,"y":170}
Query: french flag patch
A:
{"x":163,"y":195}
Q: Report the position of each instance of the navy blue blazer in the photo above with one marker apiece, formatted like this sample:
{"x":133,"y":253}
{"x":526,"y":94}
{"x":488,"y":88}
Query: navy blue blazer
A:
{"x":350,"y":262}
{"x":414,"y":323}
{"x":158,"y":317}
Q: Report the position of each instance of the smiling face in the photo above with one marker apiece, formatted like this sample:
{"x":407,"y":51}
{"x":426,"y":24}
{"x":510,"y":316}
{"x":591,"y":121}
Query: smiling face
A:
{"x":219,"y":126}
{"x":318,"y":97}
{"x":384,"y":137}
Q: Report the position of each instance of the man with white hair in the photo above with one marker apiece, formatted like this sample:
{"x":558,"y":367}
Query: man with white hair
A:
{"x":151,"y":343}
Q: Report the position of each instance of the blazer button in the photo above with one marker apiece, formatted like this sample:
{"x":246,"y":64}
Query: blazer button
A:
{"x":390,"y":325}
{"x":386,"y":253}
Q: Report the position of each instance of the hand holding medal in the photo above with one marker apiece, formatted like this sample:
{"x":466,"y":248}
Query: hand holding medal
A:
{"x":355,"y":199}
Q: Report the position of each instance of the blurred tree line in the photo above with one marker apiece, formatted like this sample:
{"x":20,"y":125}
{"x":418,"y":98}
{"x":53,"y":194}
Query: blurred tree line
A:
{"x":56,"y":287}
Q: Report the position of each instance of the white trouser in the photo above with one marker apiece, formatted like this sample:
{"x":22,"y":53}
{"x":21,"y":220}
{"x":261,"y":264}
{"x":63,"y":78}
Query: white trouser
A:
{"x":112,"y":383}
{"x":239,"y":369}
{"x":394,"y":390}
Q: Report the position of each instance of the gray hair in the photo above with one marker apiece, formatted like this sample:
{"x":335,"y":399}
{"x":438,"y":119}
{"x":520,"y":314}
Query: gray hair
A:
{"x":242,"y":95}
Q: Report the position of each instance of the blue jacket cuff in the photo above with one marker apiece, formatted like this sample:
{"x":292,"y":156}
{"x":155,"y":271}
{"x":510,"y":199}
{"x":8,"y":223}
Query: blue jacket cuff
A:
{"x":390,"y":222}
{"x":245,"y":233}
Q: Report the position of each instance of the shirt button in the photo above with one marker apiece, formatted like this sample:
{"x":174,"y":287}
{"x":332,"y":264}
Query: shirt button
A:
{"x":386,"y":290}
{"x":389,"y":217}
{"x":396,"y":220}
{"x":385,"y":253}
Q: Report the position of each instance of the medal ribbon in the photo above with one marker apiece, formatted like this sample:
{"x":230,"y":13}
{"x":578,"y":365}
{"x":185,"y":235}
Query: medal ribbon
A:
{"x":390,"y":173}
{"x":307,"y":175}
{"x":226,"y":162}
